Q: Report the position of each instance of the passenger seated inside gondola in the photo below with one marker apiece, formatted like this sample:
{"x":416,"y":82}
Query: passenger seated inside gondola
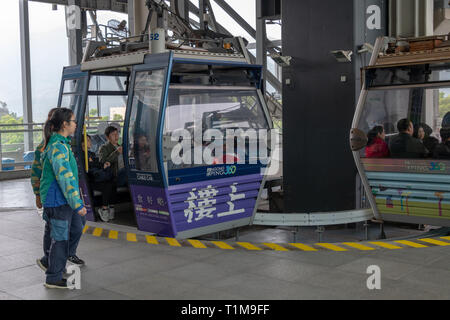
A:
{"x":423,"y":133}
{"x":112,"y":152}
{"x":101,"y":179}
{"x":376,"y":146}
{"x":404,"y":145}
{"x":442,"y":151}
{"x":141,"y":153}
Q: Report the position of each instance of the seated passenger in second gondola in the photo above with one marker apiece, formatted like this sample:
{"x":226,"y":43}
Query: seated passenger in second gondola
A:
{"x":423,"y":133}
{"x":377,"y":147}
{"x":404,"y":145}
{"x":442,"y":151}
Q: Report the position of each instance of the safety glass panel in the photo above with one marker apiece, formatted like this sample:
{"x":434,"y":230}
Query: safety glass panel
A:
{"x":203,"y":110}
{"x":143,"y":124}
{"x":425,"y":74}
{"x":407,"y":123}
{"x":107,"y":83}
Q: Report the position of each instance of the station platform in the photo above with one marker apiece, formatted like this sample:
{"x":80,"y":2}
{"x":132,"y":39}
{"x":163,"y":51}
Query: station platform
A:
{"x":127,"y":264}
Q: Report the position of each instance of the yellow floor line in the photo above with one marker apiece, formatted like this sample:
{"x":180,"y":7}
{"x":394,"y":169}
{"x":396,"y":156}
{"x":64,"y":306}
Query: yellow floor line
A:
{"x":197,"y":244}
{"x":275,"y":247}
{"x":358,"y":246}
{"x":385,"y":245}
{"x":436,"y":242}
{"x":303,"y":247}
{"x":151,"y":240}
{"x":411,"y":244}
{"x":113,"y":234}
{"x":173,"y":242}
{"x":331,"y":246}
{"x":222,"y":245}
{"x":97,"y":232}
{"x":445,"y":238}
{"x":131,"y":237}
{"x":86,"y":227}
{"x":248,"y":246}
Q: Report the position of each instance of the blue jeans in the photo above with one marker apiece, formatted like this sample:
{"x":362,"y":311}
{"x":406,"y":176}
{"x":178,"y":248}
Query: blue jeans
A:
{"x":61,"y":223}
{"x":76,"y":231}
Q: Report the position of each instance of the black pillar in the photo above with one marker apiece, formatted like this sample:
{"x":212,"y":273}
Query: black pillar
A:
{"x":319,"y":100}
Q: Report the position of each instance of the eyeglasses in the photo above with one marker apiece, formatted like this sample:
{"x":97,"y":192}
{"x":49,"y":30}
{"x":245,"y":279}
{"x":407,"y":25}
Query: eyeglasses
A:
{"x":73,"y":121}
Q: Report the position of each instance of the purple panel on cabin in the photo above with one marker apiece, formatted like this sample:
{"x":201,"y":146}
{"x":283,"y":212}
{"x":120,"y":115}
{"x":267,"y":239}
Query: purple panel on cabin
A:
{"x":152,"y":211}
{"x":86,"y":200}
{"x":212,"y":202}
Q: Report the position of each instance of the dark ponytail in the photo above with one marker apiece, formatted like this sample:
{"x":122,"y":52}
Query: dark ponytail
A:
{"x":373,"y":134}
{"x":56,"y":123}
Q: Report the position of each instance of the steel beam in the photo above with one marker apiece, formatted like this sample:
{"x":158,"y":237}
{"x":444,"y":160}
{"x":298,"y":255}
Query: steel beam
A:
{"x":26,"y":72}
{"x":241,"y":21}
{"x":261,"y":49}
{"x":111,"y":5}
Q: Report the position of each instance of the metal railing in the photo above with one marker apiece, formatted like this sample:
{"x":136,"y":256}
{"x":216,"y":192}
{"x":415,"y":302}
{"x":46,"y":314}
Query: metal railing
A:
{"x":16,"y":151}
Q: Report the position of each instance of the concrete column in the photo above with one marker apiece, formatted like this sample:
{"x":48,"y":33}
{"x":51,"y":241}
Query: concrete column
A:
{"x":74,"y":31}
{"x":26,"y":73}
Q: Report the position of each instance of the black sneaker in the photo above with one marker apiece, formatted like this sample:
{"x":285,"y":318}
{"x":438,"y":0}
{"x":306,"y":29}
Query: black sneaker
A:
{"x":62,"y":284}
{"x":75,"y":260}
{"x":41,"y":265}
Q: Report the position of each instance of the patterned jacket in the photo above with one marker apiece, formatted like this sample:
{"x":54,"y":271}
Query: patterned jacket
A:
{"x":36,"y":169}
{"x":59,"y":182}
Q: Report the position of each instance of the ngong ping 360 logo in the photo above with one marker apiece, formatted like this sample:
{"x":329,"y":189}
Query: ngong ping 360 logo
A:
{"x":238,"y":146}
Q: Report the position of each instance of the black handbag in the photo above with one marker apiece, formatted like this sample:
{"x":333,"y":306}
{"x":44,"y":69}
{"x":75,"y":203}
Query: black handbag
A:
{"x":102,"y":175}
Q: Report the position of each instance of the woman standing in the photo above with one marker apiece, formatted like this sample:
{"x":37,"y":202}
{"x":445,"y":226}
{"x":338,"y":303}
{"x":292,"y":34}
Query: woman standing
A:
{"x":59,"y":192}
{"x":377,"y":147}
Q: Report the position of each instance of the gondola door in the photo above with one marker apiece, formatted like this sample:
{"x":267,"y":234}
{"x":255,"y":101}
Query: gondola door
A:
{"x":142,"y":144}
{"x":73,"y":95}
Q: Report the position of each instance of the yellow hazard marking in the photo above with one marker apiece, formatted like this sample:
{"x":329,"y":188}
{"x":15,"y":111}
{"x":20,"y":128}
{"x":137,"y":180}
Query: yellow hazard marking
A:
{"x":385,"y":245}
{"x":97,"y":232}
{"x":197,"y":244}
{"x":303,"y":247}
{"x":248,"y":246}
{"x":275,"y":247}
{"x":131,"y":237}
{"x":86,"y":227}
{"x":173,"y":242}
{"x":445,"y":238}
{"x":113,"y":234}
{"x":436,"y":242}
{"x":411,"y":244}
{"x":358,"y":246}
{"x":151,"y":240}
{"x":331,"y":246}
{"x":222,"y":245}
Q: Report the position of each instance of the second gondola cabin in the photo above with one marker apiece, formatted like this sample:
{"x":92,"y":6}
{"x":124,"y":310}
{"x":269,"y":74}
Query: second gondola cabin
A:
{"x":399,"y":137}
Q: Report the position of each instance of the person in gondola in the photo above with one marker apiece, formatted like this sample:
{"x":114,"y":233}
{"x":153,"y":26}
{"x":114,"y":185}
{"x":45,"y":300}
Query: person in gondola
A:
{"x":100,"y":179}
{"x":112,"y":152}
{"x":404,"y":145}
{"x":423,"y":133}
{"x":442,"y":151}
{"x":376,"y":146}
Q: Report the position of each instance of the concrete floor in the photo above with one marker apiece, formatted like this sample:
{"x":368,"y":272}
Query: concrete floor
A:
{"x":123,"y":270}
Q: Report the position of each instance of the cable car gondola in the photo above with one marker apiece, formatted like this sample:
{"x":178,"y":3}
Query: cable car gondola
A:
{"x":159,"y":94}
{"x":406,"y":79}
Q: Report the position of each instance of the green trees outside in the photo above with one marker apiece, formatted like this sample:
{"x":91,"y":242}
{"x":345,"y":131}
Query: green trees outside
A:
{"x":10,"y":141}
